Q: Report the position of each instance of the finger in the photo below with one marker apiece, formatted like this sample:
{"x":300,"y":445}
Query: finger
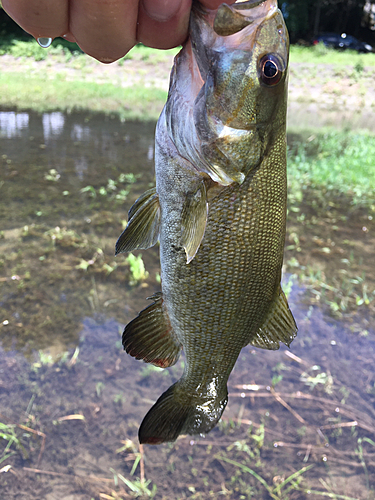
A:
{"x":69,"y":37}
{"x":40,"y":18}
{"x":104,"y":30}
{"x":214,"y":4}
{"x":163,"y":24}
{"x":162,"y":10}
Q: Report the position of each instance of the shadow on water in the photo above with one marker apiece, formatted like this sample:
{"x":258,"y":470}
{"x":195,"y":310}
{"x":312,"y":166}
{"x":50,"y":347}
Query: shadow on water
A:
{"x":299,"y":423}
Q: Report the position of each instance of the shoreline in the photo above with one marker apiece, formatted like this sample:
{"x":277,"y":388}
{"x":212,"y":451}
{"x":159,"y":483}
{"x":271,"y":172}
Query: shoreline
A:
{"x":319,"y":95}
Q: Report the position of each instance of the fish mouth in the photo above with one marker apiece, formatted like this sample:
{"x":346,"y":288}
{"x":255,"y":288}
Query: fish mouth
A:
{"x":231,"y":19}
{"x":247,"y":4}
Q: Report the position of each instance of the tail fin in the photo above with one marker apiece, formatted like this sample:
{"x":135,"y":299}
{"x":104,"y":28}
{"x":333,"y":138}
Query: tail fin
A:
{"x":177,"y":412}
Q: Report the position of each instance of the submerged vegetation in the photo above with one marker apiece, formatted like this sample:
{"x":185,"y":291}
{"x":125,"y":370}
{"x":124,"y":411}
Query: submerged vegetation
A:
{"x":307,"y":437}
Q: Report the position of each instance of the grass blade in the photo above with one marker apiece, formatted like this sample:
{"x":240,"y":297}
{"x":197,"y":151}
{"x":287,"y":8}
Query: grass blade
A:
{"x":250,"y":471}
{"x":294,"y":475}
{"x":327,"y":494}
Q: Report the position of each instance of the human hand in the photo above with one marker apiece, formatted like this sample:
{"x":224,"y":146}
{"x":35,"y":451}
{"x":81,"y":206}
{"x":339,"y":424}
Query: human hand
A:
{"x":107,"y":30}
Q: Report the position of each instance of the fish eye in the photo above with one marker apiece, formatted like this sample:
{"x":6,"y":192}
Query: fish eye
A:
{"x":270,"y":70}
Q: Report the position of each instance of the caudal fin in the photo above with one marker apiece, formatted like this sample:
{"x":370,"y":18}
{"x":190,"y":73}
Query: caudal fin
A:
{"x":177,"y":412}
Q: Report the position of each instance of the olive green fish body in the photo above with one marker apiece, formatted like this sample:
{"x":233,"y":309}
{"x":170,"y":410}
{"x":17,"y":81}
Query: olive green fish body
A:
{"x":219,"y":212}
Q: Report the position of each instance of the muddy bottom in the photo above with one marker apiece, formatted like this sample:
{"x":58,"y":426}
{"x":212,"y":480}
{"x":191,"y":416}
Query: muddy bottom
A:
{"x":300,"y":423}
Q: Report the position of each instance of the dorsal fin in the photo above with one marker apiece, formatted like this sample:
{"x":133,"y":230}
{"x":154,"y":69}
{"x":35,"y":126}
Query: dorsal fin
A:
{"x":279,"y":325}
{"x":142,"y":230}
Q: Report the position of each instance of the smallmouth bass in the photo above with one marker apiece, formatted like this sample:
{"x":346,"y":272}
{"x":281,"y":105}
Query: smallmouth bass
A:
{"x":219,"y":212}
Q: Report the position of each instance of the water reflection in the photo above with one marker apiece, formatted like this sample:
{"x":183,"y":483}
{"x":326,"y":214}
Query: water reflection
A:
{"x":13,"y":124}
{"x":53,"y":124}
{"x":81,"y":167}
{"x":80,"y":133}
{"x":64,"y":197}
{"x":56,"y":140}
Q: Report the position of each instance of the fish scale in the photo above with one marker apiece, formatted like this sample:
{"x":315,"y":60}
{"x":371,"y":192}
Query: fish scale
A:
{"x":219,"y":212}
{"x":222,"y":270}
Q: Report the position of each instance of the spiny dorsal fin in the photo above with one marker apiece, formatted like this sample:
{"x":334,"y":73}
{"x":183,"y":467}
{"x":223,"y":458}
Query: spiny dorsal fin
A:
{"x":279,"y":326}
{"x":194,"y":220}
{"x":150,"y":336}
{"x":142,"y":230}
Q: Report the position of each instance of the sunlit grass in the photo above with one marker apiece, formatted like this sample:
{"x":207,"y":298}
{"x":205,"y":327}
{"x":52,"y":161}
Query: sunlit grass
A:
{"x":43,"y":94}
{"x":142,"y":53}
{"x":29,"y":48}
{"x":319,"y":54}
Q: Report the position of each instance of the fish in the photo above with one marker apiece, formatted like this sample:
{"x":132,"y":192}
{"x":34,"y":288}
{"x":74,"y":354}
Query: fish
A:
{"x":218,"y":211}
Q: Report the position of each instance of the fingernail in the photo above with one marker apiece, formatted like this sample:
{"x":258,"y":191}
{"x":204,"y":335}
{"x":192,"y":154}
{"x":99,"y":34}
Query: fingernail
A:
{"x":161,"y":10}
{"x":44,"y":42}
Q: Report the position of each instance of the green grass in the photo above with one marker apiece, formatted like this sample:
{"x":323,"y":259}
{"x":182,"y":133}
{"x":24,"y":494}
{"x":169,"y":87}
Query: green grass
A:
{"x":40,"y":87}
{"x":340,"y":161}
{"x":43,"y":94}
{"x":320,"y":54}
{"x":142,"y":53}
{"x":29,"y":48}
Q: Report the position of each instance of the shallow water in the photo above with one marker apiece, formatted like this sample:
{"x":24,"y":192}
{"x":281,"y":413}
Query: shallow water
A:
{"x":75,"y":398}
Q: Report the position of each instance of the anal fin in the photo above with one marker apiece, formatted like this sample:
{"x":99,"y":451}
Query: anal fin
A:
{"x":150,"y":336}
{"x":142,"y":230}
{"x":279,"y":325}
{"x":194,"y":220}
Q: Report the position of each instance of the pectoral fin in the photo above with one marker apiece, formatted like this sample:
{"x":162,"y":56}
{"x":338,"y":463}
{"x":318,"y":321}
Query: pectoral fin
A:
{"x":194,"y":220}
{"x":150,"y":336}
{"x":279,"y":326}
{"x":142,"y":230}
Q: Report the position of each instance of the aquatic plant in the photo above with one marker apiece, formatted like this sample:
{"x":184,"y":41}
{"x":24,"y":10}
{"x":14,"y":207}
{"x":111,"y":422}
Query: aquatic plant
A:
{"x":52,"y":175}
{"x":275,"y":492}
{"x":9,"y":435}
{"x":137,"y":268}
